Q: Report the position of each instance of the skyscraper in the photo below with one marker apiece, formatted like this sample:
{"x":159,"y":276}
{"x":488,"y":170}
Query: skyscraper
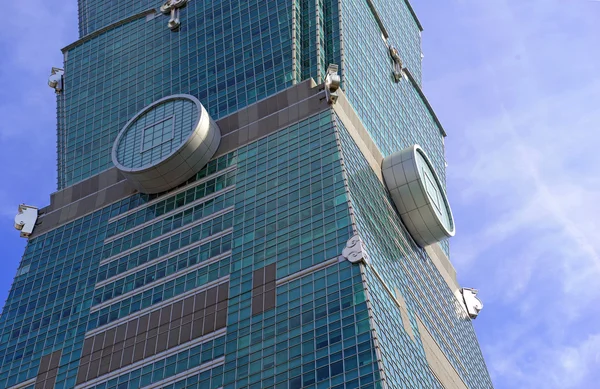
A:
{"x":251,"y":194}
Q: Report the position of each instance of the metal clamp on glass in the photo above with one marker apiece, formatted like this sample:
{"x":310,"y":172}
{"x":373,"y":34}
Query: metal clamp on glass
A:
{"x":397,"y":62}
{"x":172,"y":7}
{"x":472,"y":302}
{"x":55,"y":80}
{"x":26,"y":219}
{"x":354,"y":251}
{"x":332,"y":83}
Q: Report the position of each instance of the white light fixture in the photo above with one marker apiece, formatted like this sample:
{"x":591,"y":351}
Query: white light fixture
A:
{"x":472,"y":303}
{"x":172,"y":7}
{"x":55,"y":81}
{"x":26,"y":219}
{"x":332,"y":83}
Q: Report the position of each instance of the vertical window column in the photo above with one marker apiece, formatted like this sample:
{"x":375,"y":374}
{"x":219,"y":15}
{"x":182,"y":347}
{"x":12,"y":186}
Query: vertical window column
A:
{"x":263,"y":289}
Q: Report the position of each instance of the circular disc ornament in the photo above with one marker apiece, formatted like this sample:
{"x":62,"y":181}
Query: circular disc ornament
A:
{"x":418,"y":195}
{"x":166,"y":143}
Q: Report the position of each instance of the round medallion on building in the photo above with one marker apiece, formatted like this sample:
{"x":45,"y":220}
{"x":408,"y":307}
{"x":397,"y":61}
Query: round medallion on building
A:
{"x":418,"y":195}
{"x":166,"y":143}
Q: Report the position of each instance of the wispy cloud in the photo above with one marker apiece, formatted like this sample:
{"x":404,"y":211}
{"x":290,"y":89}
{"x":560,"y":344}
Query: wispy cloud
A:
{"x":519,"y":95}
{"x":30,"y":40}
{"x":31,"y":36}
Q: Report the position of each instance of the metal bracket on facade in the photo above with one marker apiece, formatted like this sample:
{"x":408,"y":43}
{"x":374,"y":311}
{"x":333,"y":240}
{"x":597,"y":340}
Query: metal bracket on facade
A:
{"x":26,"y":219}
{"x":472,"y":302}
{"x":398,"y":70}
{"x":172,"y":7}
{"x":55,"y":80}
{"x":353,"y":251}
{"x":332,"y":83}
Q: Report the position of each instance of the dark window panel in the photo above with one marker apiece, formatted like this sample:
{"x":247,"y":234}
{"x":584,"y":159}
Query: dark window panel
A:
{"x":104,"y":365}
{"x":87,"y":346}
{"x":200,"y":301}
{"x":154,"y":319}
{"x":173,"y":337}
{"x":165,"y":315}
{"x":150,"y":347}
{"x":109,"y":337}
{"x":115,"y":360}
{"x":98,"y":342}
{"x":161,"y":344}
{"x":121,"y":331}
{"x":176,"y":312}
{"x":188,"y":305}
{"x":138,"y":351}
{"x":186,"y":333}
{"x":209,"y":324}
{"x":143,"y":324}
{"x":211,"y":296}
{"x":127,"y":356}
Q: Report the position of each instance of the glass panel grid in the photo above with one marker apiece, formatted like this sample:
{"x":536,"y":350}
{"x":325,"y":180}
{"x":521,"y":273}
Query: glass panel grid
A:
{"x":158,"y":133}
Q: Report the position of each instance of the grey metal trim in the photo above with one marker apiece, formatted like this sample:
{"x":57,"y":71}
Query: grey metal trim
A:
{"x":359,"y":133}
{"x":342,"y":56}
{"x":443,"y":265}
{"x":170,"y":233}
{"x":318,"y":29}
{"x":167,"y":256}
{"x":374,"y":330}
{"x":378,"y":18}
{"x":23,"y":384}
{"x":164,"y":354}
{"x":171,"y":213}
{"x":158,"y":306}
{"x":438,"y":363}
{"x":309,"y":270}
{"x":429,"y":107}
{"x":173,"y":193}
{"x":151,"y":285}
{"x":188,"y":373}
{"x":414,"y":15}
{"x":109,"y":27}
{"x":345,"y":172}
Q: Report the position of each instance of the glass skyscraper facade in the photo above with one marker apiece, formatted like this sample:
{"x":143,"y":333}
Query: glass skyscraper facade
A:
{"x":283,"y":262}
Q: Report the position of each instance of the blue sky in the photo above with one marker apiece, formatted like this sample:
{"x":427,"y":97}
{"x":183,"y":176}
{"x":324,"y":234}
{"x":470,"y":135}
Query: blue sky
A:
{"x":517,"y":87}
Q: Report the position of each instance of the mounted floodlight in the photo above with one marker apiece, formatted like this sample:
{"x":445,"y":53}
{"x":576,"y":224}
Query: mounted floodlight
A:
{"x":26,"y":219}
{"x":55,"y":81}
{"x":332,"y":83}
{"x":472,"y":302}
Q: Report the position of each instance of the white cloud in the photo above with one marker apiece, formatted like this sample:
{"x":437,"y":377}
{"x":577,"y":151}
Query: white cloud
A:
{"x":520,"y":105}
{"x":31,"y":36}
